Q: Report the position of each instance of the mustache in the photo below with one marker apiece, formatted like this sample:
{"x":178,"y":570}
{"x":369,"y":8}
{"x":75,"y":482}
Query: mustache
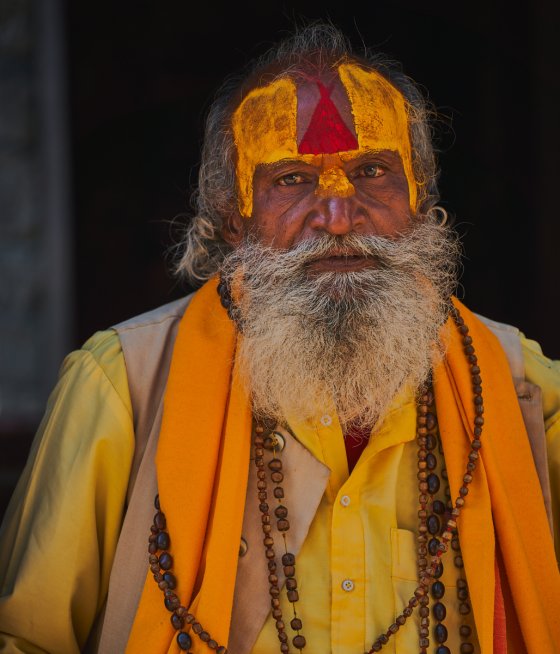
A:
{"x":400,"y":252}
{"x":328,"y":245}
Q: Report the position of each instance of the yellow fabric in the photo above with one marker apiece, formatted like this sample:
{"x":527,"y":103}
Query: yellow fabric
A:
{"x":34,"y":573}
{"x":61,"y":529}
{"x":505,"y":489}
{"x":545,"y":373}
{"x":365,"y":532}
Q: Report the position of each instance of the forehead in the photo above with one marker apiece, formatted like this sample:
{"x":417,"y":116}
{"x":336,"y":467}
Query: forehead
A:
{"x":351,"y":111}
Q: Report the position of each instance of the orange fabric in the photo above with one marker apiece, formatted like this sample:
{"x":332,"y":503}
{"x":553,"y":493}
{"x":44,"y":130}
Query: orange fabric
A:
{"x":505,"y":492}
{"x":202,"y":467}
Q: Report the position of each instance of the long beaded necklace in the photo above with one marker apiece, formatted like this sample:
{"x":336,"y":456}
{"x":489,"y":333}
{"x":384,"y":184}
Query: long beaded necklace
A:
{"x":430,"y":531}
{"x":430,"y":551}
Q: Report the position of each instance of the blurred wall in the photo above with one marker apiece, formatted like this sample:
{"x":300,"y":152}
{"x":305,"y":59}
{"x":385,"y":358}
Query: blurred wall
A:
{"x":36,"y":314}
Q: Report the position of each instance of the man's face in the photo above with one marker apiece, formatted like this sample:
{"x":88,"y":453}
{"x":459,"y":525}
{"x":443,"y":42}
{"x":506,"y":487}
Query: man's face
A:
{"x":330,"y":155}
{"x":336,"y":310}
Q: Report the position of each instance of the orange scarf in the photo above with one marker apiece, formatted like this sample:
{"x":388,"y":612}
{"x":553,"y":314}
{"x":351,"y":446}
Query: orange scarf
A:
{"x":202,"y":468}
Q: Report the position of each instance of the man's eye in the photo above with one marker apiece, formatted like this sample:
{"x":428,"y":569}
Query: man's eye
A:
{"x":291,"y":180}
{"x":372,"y":170}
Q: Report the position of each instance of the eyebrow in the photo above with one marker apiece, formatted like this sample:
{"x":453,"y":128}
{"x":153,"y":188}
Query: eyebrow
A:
{"x":371,"y":152}
{"x":391,"y":156}
{"x":271,"y":167}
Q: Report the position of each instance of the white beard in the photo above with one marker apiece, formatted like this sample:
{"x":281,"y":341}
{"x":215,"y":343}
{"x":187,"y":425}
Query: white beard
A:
{"x":352,"y":340}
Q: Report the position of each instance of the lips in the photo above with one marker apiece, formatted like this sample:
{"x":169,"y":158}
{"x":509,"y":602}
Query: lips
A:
{"x":339,"y":253}
{"x":341,"y":261}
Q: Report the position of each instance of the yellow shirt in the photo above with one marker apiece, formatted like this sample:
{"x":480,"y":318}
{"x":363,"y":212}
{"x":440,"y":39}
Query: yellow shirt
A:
{"x":356,"y":569}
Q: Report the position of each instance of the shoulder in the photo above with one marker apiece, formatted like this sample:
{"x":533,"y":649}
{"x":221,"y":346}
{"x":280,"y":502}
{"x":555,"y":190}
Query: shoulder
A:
{"x":98,"y":363}
{"x":543,"y":372}
{"x":151,"y":334}
{"x":167,"y":313}
{"x":106,"y":350}
{"x":527,"y":361}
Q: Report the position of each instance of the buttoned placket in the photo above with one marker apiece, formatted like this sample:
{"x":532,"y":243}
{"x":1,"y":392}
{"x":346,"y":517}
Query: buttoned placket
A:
{"x":351,"y":514}
{"x":357,"y":567}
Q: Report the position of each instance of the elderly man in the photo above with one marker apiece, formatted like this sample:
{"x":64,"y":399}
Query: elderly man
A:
{"x":342,"y":457}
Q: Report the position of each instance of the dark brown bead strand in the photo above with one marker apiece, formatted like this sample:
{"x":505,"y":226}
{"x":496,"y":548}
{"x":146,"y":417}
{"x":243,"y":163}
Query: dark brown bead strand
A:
{"x":229,"y":305}
{"x":440,"y":634}
{"x":433,"y":524}
{"x":424,"y":402}
{"x":451,"y":524}
{"x":268,"y":541}
{"x":160,"y":541}
{"x":476,"y":380}
{"x":288,"y":560}
{"x":464,"y":609}
{"x":439,"y":612}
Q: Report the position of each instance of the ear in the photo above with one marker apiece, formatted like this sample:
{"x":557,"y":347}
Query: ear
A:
{"x":233,"y":228}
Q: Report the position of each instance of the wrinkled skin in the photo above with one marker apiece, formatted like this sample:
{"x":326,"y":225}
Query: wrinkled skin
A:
{"x":289,"y":206}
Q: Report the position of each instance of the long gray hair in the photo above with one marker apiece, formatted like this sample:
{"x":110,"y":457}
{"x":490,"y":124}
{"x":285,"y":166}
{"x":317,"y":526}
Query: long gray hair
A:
{"x":316,"y":47}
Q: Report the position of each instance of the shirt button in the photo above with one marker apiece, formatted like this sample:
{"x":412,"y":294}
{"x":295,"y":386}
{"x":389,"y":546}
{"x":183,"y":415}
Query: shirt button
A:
{"x":348,"y":585}
{"x":345,"y":500}
{"x":326,"y":420}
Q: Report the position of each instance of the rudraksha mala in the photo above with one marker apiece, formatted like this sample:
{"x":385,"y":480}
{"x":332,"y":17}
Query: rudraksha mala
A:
{"x":430,"y":573}
{"x":161,"y":565}
{"x":283,"y":525}
{"x":429,"y":531}
{"x":430,"y":550}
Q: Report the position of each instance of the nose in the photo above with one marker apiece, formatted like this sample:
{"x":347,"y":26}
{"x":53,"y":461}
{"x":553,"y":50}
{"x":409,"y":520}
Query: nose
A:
{"x":335,"y":208}
{"x":337,"y":215}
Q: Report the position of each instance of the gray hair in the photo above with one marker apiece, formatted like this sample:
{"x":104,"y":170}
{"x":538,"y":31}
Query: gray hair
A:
{"x":317,"y":47}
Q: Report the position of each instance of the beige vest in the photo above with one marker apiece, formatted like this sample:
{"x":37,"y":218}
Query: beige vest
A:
{"x":147,"y":343}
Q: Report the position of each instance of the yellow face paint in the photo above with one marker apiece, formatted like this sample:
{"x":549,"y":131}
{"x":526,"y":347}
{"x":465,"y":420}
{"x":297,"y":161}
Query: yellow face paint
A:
{"x":380,"y":117}
{"x":334,"y":183}
{"x":265,"y":131}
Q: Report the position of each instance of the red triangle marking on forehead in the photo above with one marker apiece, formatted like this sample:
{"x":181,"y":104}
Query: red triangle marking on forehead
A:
{"x":327,"y":133}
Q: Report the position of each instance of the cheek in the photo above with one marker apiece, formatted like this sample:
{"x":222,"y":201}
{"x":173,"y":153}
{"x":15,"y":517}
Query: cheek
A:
{"x":279,"y":214}
{"x":278,"y":229}
{"x":390,"y":192}
{"x":387,"y":208}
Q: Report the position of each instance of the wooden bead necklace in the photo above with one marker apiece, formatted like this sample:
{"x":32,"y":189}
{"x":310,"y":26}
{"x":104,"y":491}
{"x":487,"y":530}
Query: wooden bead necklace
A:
{"x":283,"y":525}
{"x":430,"y":531}
{"x":430,"y":550}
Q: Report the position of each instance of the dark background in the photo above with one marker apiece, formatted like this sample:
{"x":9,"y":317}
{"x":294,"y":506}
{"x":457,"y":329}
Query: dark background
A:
{"x":140,"y":77}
